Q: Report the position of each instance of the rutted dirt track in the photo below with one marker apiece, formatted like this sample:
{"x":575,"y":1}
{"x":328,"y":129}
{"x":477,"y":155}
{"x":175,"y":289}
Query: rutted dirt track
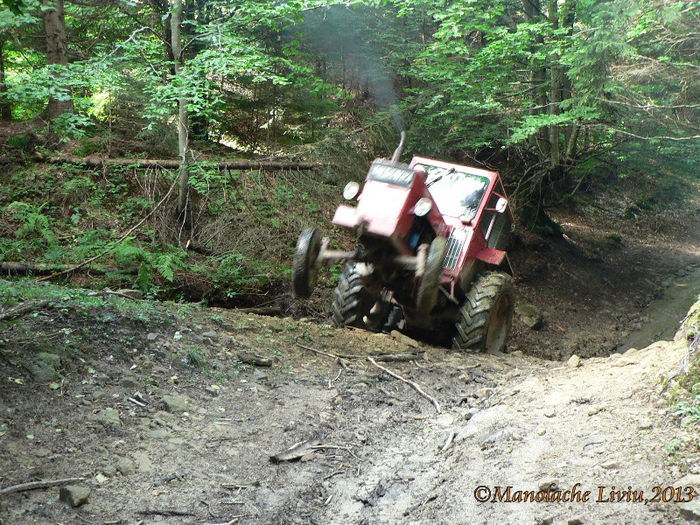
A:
{"x":168,"y":426}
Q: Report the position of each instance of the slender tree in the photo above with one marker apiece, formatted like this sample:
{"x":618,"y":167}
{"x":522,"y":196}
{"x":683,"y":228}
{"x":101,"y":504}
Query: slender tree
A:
{"x":56,"y":52}
{"x":5,"y":107}
{"x":182,"y":120}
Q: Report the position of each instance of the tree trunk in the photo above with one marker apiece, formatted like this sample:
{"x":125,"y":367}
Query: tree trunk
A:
{"x":571,"y":143}
{"x":555,"y":92}
{"x":567,"y":19}
{"x":196,"y":10}
{"x":538,"y":78}
{"x":55,"y":28}
{"x":182,"y":131}
{"x":5,"y":108}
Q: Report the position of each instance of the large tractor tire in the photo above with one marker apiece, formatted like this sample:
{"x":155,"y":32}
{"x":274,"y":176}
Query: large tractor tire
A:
{"x":430,"y":280}
{"x":351,"y":299}
{"x":304,"y":268}
{"x":486,"y":315}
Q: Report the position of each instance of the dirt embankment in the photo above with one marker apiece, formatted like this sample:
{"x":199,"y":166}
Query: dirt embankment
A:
{"x":155,"y":406}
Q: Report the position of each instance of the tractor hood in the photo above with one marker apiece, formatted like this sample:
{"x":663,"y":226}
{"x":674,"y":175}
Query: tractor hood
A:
{"x":385,"y":208}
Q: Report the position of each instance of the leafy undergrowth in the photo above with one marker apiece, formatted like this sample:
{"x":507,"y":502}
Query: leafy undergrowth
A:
{"x":689,"y":384}
{"x":234,"y":249}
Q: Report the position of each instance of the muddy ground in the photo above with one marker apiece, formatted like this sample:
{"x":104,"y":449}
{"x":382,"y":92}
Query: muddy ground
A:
{"x":155,"y":406}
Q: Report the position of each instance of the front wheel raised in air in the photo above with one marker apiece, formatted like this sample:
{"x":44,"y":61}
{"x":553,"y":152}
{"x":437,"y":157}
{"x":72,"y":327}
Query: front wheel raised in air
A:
{"x":351,"y":299}
{"x":486,"y":315}
{"x":304,"y":268}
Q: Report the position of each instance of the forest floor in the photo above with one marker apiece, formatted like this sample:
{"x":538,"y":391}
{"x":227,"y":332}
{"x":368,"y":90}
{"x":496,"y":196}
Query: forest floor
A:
{"x":154,"y":404}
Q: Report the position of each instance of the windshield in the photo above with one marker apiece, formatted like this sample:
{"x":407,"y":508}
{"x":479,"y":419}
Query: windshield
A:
{"x":456,"y":193}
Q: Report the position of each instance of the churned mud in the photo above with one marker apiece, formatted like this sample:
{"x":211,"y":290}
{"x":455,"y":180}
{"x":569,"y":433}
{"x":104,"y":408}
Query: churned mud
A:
{"x":167,"y":422}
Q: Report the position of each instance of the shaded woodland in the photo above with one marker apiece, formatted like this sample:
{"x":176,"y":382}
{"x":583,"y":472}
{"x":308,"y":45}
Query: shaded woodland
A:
{"x":562,"y":97}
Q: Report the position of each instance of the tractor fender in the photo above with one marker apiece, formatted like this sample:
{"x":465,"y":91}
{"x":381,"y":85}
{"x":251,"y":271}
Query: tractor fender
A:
{"x":495,"y":258}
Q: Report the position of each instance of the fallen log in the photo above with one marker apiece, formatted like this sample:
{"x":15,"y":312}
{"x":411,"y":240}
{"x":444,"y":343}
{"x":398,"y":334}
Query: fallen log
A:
{"x":241,"y":164}
{"x":254,"y":360}
{"x":16,"y":268}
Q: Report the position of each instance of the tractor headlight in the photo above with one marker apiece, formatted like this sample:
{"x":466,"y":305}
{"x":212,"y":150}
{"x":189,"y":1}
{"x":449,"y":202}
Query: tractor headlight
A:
{"x":351,"y":190}
{"x":423,"y":207}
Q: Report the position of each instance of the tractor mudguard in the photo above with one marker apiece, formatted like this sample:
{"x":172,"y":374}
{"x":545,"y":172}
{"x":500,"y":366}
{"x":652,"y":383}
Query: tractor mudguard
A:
{"x":491,"y":256}
{"x":496,"y":258}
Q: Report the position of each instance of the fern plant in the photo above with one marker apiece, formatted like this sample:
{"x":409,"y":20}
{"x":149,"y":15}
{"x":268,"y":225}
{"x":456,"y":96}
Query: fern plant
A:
{"x":33,"y":235}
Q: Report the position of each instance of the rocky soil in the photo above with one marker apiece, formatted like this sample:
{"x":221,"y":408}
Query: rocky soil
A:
{"x":180,"y":414}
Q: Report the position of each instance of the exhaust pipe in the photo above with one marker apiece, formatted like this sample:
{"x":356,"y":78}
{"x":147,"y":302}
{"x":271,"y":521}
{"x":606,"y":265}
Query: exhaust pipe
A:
{"x":399,"y":150}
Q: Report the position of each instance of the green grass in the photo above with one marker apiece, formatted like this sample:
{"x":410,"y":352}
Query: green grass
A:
{"x":79,"y":300}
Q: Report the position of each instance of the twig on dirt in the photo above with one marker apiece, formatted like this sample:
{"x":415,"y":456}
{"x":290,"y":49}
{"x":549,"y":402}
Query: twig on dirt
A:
{"x":116,"y":243}
{"x":320,"y":352}
{"x":328,"y":501}
{"x":233,"y":520}
{"x":329,"y":476}
{"x":111,"y":292}
{"x":330,"y":381}
{"x":164,"y":512}
{"x":416,"y":507}
{"x":255,"y":360}
{"x":135,"y":402}
{"x":334,"y":447}
{"x":412,"y":384}
{"x":449,"y":442}
{"x":23,"y":308}
{"x":33,"y":485}
{"x":203,"y":502}
{"x":337,"y":358}
{"x":295,"y":452}
{"x":303,"y":448}
{"x":404,"y":356}
{"x":238,"y":486}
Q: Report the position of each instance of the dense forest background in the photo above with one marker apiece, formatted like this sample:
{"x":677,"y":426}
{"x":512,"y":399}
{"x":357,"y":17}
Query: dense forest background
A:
{"x":562,"y":97}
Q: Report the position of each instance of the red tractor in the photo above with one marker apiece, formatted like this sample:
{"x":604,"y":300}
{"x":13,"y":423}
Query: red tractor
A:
{"x":430,"y":255}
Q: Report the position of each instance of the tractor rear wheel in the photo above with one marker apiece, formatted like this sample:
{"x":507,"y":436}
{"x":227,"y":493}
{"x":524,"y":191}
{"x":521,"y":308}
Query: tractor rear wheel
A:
{"x":351,"y":299}
{"x":486,"y":315}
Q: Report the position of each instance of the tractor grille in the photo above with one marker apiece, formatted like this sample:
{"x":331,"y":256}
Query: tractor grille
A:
{"x":455,"y":243}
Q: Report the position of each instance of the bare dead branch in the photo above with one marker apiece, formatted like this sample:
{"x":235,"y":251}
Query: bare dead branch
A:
{"x":410,"y":383}
{"x":34,"y":485}
{"x":22,"y":309}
